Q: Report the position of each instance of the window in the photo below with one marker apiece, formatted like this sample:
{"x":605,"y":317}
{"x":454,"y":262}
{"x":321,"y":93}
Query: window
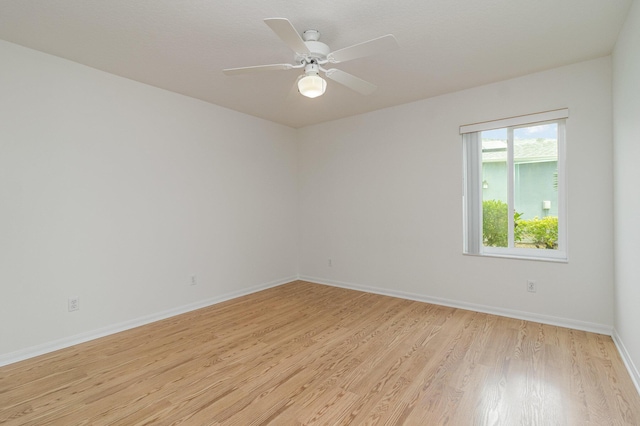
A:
{"x":514,"y":193}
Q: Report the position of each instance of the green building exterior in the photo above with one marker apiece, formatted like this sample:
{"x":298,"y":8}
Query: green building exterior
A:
{"x":535,"y":180}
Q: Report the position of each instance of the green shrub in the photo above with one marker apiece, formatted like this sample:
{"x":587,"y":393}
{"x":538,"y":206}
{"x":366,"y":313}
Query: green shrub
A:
{"x":494,"y":223}
{"x":541,"y":232}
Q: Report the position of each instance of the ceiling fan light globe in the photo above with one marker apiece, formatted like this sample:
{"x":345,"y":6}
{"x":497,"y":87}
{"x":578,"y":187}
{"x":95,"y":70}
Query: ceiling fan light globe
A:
{"x":312,"y":86}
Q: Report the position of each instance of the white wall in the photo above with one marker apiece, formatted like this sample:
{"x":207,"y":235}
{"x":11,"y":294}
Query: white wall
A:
{"x":118,"y":192}
{"x":626,"y":130}
{"x":380,"y":194}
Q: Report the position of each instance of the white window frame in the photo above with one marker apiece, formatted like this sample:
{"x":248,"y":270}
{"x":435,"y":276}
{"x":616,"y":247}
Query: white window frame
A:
{"x":472,"y":190}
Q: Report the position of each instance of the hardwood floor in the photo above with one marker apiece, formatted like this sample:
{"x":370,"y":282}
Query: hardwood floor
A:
{"x":304,"y":353}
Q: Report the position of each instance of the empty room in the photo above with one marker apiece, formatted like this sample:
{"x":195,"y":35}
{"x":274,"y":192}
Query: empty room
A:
{"x":295,"y":213}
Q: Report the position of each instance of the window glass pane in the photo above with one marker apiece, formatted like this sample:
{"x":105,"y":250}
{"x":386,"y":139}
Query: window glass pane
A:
{"x":495,"y":224}
{"x":536,"y":186}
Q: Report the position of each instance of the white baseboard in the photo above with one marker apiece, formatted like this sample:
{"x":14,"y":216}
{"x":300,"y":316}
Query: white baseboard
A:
{"x":511,"y":313}
{"x":66,"y":342}
{"x":626,"y":358}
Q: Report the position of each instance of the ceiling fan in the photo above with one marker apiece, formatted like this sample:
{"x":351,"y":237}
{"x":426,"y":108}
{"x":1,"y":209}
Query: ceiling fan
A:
{"x":312,"y":55}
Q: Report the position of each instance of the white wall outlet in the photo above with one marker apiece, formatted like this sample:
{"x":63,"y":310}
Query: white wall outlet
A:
{"x":531,"y":286}
{"x":194,"y":280}
{"x":329,"y":263}
{"x":73,"y":304}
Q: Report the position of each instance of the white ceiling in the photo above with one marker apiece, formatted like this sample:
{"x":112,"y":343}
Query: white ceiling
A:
{"x":446,"y":45}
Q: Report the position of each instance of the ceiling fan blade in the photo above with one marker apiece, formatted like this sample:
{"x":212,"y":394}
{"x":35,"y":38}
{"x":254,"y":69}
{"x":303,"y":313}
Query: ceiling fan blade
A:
{"x":258,"y":68}
{"x":371,"y":47}
{"x":287,"y":33}
{"x":352,"y":82}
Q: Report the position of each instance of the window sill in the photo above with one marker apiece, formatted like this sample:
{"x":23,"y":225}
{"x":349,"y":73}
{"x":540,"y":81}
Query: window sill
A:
{"x":516,"y":257}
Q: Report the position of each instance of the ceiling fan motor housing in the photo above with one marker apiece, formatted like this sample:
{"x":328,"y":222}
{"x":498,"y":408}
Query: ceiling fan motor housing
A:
{"x":318,"y":50}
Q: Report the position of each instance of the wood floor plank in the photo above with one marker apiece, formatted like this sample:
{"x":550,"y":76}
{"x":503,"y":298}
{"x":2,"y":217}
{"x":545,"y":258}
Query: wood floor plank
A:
{"x":303,"y":353}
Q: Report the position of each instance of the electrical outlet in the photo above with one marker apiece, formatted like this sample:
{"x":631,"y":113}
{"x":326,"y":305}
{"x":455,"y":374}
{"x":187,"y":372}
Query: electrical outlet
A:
{"x":531,"y":286}
{"x":330,"y":263}
{"x":73,"y":304}
{"x":194,"y":280}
